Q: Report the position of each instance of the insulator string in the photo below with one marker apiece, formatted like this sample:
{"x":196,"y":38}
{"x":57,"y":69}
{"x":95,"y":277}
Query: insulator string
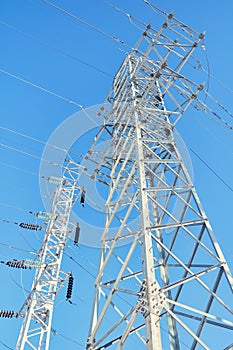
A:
{"x":70,"y":288}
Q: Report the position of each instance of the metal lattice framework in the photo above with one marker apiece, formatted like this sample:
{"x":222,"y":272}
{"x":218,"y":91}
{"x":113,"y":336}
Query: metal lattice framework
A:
{"x":38,"y":307}
{"x":162,"y":280}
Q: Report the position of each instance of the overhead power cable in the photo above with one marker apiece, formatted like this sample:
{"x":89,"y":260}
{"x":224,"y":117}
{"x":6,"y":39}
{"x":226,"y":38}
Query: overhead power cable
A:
{"x":80,"y":265}
{"x":9,"y":246}
{"x":206,"y":91}
{"x":82,"y":301}
{"x":157,"y":10}
{"x":41,"y":214}
{"x":69,"y":339}
{"x":139,"y":21}
{"x":13,"y":207}
{"x":75,"y":58}
{"x":112,"y":37}
{"x":100,"y":31}
{"x":32,"y":138}
{"x":212,"y":170}
{"x":24,"y":225}
{"x":204,"y":162}
{"x":205,"y":107}
{"x":128,"y":15}
{"x":211,"y":113}
{"x":41,"y":141}
{"x":35,"y":156}
{"x":49,"y":92}
{"x":55,"y":164}
{"x":41,"y":88}
{"x":220,"y":105}
{"x":5,"y":345}
{"x":18,"y":168}
{"x":29,"y":154}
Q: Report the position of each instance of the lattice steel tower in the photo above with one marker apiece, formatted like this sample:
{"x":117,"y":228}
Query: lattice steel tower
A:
{"x":37,"y":311}
{"x":162,"y":277}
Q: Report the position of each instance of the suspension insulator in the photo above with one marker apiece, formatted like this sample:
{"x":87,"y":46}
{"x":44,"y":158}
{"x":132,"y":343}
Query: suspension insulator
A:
{"x":70,"y":287}
{"x":18,"y":264}
{"x":77,"y":233}
{"x":83,"y":193}
{"x":29,"y":226}
{"x":7,"y":314}
{"x":44,"y":215}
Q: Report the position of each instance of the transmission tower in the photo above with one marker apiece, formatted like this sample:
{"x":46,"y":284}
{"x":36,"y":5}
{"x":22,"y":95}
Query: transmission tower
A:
{"x":37,"y":310}
{"x":162,"y":279}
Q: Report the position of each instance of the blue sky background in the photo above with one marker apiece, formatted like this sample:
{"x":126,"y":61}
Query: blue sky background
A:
{"x":31,"y":51}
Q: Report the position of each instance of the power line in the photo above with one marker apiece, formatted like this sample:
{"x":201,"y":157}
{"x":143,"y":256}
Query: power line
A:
{"x":84,"y":170}
{"x":204,"y":107}
{"x":16,"y":283}
{"x":157,"y":10}
{"x":77,"y":263}
{"x":41,"y":88}
{"x":32,"y":138}
{"x":28,"y":154}
{"x":206,"y":91}
{"x":41,"y":141}
{"x":18,"y":168}
{"x":54,"y":331}
{"x":118,"y":295}
{"x":212,"y":114}
{"x":91,"y":26}
{"x":128,"y":15}
{"x":27,"y":171}
{"x":220,"y":105}
{"x":112,"y":37}
{"x":55,"y":48}
{"x":13,"y":206}
{"x":55,"y":164}
{"x":5,"y":345}
{"x":69,"y":339}
{"x":212,"y":170}
{"x":49,"y":92}
{"x":9,"y":246}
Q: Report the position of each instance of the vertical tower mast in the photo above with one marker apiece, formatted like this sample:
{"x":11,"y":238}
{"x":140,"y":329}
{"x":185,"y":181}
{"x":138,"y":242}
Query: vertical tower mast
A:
{"x":162,"y":276}
{"x":38,"y":307}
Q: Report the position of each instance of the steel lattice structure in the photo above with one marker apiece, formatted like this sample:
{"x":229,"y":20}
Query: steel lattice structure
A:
{"x":38,"y":307}
{"x":162,"y":277}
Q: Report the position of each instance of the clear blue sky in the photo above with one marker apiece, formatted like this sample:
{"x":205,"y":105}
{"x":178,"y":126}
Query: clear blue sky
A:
{"x":30,"y":111}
